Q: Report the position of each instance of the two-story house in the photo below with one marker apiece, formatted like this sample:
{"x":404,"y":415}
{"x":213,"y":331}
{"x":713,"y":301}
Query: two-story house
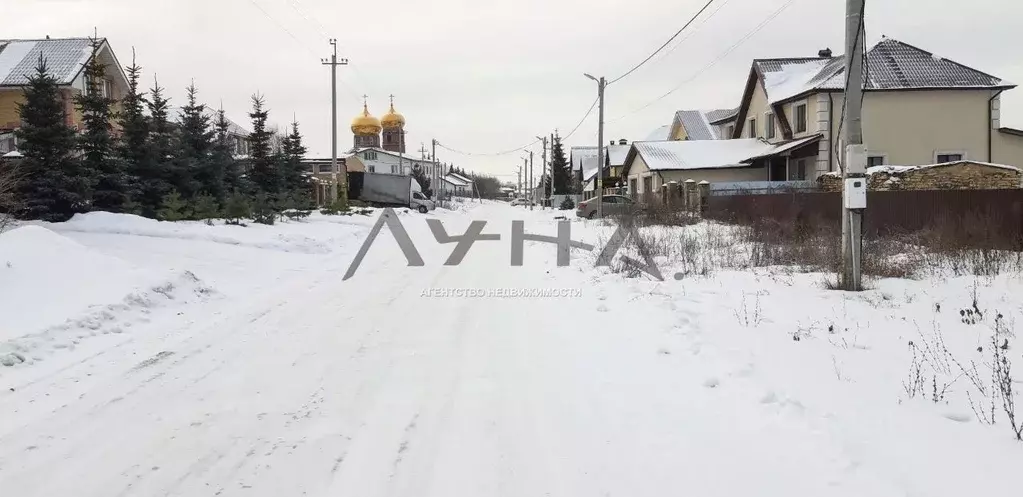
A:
{"x":65,"y":60}
{"x":918,"y":108}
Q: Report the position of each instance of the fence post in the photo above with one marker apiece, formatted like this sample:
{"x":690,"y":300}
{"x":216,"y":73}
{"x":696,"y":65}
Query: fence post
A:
{"x":673,"y":196}
{"x":690,"y":194}
{"x":664,"y":193}
{"x":703,"y":192}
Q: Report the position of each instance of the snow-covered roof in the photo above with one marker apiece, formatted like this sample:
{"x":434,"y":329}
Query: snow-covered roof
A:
{"x":616,"y":154}
{"x":697,"y":123}
{"x":65,"y":58}
{"x":455,"y":180}
{"x":582,"y":154}
{"x":721,"y":114}
{"x":890,"y":65}
{"x":461,"y":177}
{"x":660,"y":134}
{"x":13,"y":154}
{"x":588,"y":166}
{"x":700,"y":154}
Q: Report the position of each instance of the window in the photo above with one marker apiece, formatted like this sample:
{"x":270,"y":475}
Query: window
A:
{"x":875,"y":160}
{"x":609,"y":199}
{"x":797,"y":169}
{"x":108,"y":88}
{"x":769,"y":120}
{"x":648,"y":184}
{"x":632,"y":187}
{"x":419,"y":196}
{"x":800,"y":118}
{"x":387,"y":138}
{"x":752,"y":133}
{"x":943,"y":157}
{"x":372,"y":169}
{"x":370,"y":155}
{"x":731,"y":129}
{"x":394,"y":169}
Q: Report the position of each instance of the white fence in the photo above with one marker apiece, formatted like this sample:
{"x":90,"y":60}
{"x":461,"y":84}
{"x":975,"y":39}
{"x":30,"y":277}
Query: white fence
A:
{"x":760,"y":187}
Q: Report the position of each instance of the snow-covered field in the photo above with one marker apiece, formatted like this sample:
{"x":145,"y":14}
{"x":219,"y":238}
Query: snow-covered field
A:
{"x":148,"y":358}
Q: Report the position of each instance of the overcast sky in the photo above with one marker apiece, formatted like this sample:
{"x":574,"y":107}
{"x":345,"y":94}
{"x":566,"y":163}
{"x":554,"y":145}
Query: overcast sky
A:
{"x":488,"y":76}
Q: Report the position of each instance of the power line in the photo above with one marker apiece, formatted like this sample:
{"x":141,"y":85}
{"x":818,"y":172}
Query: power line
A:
{"x":637,"y":66}
{"x":715,"y":61}
{"x":297,"y":7}
{"x":530,"y":144}
{"x":283,"y":28}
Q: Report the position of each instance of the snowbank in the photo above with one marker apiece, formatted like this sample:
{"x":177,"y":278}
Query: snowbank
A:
{"x":253,"y":235}
{"x":52,"y":287}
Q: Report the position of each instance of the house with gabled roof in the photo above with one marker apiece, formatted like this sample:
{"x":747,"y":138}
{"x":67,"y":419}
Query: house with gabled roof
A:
{"x":918,"y":108}
{"x":65,"y":60}
{"x":702,"y":124}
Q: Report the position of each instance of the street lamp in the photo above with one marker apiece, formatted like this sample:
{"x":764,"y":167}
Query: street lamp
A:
{"x":600,"y":144}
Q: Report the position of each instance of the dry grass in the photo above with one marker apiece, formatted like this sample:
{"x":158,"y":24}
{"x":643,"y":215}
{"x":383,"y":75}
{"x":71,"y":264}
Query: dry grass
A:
{"x":968,"y":245}
{"x":8,"y":201}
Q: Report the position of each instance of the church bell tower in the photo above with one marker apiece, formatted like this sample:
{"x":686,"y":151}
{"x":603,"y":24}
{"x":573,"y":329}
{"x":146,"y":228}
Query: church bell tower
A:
{"x":393,"y":125}
{"x":366,"y":128}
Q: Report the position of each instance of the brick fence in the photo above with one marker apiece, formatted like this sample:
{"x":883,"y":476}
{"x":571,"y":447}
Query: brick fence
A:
{"x":990,"y":218}
{"x":961,"y":175}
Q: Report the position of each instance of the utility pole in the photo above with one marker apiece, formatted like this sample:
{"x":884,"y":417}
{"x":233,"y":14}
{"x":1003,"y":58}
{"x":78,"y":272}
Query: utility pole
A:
{"x":333,"y":63}
{"x":601,"y":84}
{"x":854,"y":191}
{"x":519,"y":179}
{"x":551,"y":194}
{"x":543,"y":162}
{"x":532,"y":191}
{"x":435,"y":168}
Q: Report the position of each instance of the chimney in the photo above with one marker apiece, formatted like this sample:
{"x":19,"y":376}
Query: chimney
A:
{"x":824,"y":53}
{"x":612,"y":142}
{"x":623,"y":141}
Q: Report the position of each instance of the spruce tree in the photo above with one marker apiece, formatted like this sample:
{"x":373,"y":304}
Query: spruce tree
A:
{"x":105,"y":171}
{"x":52,"y":187}
{"x":236,"y":208}
{"x":173,"y":208}
{"x":154,"y":184}
{"x":222,"y":162}
{"x":294,"y":178}
{"x":133,"y":148}
{"x":261,"y":171}
{"x":193,"y":171}
{"x":562,"y":171}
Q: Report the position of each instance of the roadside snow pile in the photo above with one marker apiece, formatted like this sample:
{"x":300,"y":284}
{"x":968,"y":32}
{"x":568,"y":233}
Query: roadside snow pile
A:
{"x":253,"y":235}
{"x":55,"y":291}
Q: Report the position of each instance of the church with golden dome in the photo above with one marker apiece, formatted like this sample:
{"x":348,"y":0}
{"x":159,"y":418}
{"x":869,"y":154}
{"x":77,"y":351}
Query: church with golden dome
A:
{"x":368,"y":130}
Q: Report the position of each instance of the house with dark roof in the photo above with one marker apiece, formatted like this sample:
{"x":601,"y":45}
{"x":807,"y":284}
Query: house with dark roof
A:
{"x":918,"y":108}
{"x":65,"y":60}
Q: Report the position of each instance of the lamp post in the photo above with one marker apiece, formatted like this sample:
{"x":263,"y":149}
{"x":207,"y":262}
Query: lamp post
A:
{"x":600,"y":144}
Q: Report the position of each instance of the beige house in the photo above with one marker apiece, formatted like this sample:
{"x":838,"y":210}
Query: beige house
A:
{"x":65,"y":60}
{"x":649,"y":165}
{"x":918,"y":109}
{"x":702,"y":124}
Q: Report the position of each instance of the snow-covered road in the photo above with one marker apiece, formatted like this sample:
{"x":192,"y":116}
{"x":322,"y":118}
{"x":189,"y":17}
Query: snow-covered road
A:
{"x":371,"y":387}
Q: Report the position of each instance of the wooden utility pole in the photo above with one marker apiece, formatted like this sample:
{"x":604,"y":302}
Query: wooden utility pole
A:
{"x":532,"y":192}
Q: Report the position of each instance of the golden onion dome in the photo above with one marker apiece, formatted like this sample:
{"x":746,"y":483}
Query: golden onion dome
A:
{"x":365,"y":124}
{"x":392,"y":119}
